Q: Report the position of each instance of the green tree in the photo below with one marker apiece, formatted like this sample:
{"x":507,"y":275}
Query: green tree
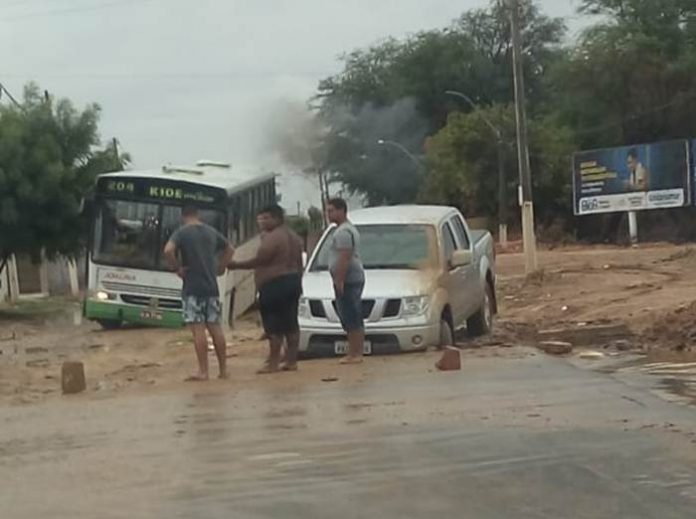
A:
{"x":395,"y":91}
{"x":632,"y":75}
{"x":48,"y":163}
{"x":463,"y":164}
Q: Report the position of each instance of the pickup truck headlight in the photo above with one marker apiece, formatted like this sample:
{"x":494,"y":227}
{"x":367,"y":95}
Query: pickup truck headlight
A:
{"x":303,"y":310}
{"x":415,"y":306}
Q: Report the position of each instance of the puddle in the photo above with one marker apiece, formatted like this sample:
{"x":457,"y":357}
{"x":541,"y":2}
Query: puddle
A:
{"x":674,"y":373}
{"x":683,"y":389}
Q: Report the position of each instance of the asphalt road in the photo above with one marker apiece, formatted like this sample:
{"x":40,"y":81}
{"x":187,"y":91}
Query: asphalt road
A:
{"x":512,"y":436}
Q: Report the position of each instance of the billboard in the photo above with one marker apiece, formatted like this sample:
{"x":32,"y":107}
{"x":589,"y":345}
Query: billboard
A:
{"x":632,"y":178}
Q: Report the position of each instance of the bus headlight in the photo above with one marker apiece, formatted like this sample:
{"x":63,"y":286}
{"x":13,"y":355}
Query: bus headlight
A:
{"x":415,"y":306}
{"x":303,"y":310}
{"x":104,"y":296}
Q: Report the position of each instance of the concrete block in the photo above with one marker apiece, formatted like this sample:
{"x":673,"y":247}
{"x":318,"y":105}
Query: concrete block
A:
{"x":451,"y":360}
{"x":73,"y":378}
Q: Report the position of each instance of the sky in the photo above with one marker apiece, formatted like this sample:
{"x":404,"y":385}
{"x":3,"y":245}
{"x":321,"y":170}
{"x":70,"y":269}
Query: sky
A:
{"x":184,"y":80}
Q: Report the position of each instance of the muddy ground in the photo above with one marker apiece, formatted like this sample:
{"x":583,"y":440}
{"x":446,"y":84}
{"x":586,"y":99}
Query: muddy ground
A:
{"x":605,"y":299}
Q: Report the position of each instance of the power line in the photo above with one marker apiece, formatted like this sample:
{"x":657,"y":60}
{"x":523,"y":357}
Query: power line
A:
{"x":71,"y":10}
{"x":10,"y":96}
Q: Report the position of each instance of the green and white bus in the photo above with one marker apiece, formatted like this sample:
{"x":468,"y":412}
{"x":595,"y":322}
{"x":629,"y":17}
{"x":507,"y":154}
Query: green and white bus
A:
{"x":135,"y":213}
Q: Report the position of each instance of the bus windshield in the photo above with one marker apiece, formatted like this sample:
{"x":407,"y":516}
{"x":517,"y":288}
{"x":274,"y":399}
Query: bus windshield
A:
{"x":133,"y":234}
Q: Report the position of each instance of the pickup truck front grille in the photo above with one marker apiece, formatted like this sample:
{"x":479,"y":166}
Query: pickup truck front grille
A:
{"x":367,"y":306}
{"x":317,"y":308}
{"x":391,"y":308}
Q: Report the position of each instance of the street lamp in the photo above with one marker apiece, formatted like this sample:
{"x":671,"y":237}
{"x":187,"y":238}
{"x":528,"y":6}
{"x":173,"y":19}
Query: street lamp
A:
{"x":502,"y":191}
{"x":402,"y":148}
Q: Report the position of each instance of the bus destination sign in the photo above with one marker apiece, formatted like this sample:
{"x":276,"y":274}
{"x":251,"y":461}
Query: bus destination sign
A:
{"x":160,"y":190}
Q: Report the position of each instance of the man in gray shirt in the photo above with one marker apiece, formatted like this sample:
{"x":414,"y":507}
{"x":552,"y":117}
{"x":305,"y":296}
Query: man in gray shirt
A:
{"x":348,"y":277}
{"x":199,"y":254}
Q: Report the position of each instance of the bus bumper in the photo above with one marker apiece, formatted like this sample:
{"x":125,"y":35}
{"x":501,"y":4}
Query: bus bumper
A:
{"x":116,"y":312}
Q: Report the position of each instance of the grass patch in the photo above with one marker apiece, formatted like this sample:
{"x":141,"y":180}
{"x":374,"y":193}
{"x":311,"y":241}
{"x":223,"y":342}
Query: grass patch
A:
{"x":37,"y":309}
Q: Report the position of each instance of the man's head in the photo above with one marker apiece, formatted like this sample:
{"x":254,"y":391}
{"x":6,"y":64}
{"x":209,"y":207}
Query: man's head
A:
{"x":270,"y":217}
{"x":632,"y":160}
{"x":189,"y":213}
{"x":337,"y":210}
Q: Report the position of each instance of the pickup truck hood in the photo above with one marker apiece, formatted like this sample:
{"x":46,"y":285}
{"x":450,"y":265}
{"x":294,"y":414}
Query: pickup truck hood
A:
{"x":378,"y":284}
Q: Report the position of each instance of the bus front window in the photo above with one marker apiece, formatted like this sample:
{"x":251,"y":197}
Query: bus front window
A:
{"x":126,"y":234}
{"x":171,"y":221}
{"x":133,"y":234}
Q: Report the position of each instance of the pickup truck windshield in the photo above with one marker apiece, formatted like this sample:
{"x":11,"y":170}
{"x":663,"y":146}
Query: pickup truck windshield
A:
{"x":389,"y":247}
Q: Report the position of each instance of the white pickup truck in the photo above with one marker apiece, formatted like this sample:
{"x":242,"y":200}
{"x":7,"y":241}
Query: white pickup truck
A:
{"x":427,"y":275}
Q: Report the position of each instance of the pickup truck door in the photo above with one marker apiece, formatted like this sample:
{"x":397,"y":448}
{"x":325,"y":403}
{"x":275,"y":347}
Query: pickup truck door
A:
{"x":471,"y":294}
{"x":455,"y":277}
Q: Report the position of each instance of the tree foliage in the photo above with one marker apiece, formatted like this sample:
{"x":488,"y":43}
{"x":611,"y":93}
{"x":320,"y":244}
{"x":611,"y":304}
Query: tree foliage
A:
{"x":394,"y":90}
{"x":48,"y":162}
{"x":463,"y":164}
{"x":629,"y":78}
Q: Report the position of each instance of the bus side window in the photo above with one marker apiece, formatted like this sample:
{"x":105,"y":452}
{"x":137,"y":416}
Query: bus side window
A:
{"x":249,"y":211}
{"x":233,"y":224}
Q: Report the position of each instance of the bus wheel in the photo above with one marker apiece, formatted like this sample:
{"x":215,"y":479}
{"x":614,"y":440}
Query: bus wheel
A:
{"x":107,"y":324}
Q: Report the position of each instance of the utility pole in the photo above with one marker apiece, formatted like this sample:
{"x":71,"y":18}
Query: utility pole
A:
{"x":526,"y":199}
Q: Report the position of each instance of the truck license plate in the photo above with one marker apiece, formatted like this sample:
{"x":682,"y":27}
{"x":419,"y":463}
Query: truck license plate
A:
{"x":341,"y":348}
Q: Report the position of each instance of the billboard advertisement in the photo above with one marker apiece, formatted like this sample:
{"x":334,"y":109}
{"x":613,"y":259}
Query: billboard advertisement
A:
{"x":632,"y":178}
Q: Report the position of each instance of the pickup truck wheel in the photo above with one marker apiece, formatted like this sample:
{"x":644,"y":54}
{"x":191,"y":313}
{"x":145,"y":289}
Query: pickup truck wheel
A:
{"x":446,"y":334}
{"x":481,"y":323}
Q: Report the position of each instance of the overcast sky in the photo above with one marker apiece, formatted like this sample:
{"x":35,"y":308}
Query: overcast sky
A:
{"x":183,"y":80}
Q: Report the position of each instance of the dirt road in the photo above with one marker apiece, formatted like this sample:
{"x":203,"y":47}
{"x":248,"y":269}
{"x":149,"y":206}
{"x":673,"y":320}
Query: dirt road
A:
{"x":649,"y":289}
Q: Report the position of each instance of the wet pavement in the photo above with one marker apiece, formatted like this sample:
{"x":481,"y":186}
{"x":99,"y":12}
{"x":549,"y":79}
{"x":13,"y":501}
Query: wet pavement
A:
{"x":516,"y":436}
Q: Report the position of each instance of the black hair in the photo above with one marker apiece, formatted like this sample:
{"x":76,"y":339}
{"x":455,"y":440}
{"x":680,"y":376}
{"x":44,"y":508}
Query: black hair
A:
{"x":275,"y":211}
{"x":339,"y":203}
{"x":189,"y":211}
{"x":633,"y":153}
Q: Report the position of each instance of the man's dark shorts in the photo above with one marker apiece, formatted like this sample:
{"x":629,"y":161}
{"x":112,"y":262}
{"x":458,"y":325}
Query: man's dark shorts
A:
{"x":278,"y":303}
{"x":349,"y":307}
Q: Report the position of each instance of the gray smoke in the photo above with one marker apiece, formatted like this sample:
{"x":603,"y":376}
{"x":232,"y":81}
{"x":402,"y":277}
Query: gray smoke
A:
{"x":295,"y":135}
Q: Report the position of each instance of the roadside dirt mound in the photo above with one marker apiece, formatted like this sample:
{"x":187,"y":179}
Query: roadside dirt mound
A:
{"x":675,"y":330}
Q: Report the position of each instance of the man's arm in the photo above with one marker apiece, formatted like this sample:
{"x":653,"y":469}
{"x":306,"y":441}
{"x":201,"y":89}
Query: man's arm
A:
{"x":345,"y":249}
{"x":264,"y":256}
{"x":172,"y":261}
{"x":225,"y":258}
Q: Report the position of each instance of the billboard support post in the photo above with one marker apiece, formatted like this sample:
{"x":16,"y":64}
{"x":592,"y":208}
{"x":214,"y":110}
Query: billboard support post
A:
{"x":633,"y":227}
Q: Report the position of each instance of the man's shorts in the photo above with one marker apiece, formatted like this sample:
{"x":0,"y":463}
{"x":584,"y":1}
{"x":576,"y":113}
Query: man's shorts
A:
{"x":349,"y":307}
{"x":202,"y":310}
{"x":278,"y":304}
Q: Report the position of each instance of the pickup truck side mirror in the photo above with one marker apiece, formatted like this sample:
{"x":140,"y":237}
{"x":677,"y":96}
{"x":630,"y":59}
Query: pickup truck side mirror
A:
{"x":461,"y":258}
{"x":304,"y":259}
